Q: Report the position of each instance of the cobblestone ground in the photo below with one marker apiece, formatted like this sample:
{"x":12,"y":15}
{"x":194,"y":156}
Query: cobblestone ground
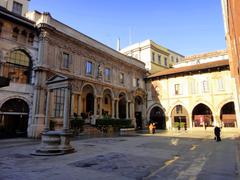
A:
{"x":165,"y":155}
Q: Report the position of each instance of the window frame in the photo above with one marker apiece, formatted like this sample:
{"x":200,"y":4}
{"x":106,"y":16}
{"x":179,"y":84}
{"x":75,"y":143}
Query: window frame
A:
{"x":17,"y":8}
{"x":165,"y":61}
{"x":65,"y":62}
{"x":89,"y":70}
{"x":153,"y":57}
{"x":121,"y":77}
{"x":58,"y":102}
{"x":107,"y":77}
{"x":177,"y":89}
{"x":159,"y":59}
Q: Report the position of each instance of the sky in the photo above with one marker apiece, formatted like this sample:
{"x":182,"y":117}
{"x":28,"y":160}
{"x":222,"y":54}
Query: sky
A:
{"x":185,"y":26}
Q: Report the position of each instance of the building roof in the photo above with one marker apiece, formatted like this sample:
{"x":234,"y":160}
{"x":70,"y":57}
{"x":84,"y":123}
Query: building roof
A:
{"x":186,"y":69}
{"x":16,"y":18}
{"x":205,"y":55}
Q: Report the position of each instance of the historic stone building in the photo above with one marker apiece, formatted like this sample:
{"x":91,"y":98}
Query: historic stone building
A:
{"x":155,"y":56}
{"x":18,"y":55}
{"x":197,"y":94}
{"x":100,"y":80}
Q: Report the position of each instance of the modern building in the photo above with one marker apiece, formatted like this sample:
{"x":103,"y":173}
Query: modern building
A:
{"x":56,"y":71}
{"x":196,"y":94}
{"x":155,"y":57}
{"x":18,"y":56}
{"x":231,"y":16}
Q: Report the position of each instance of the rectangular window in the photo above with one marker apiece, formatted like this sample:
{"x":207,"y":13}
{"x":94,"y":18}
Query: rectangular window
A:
{"x":159,"y":59}
{"x":58,"y":102}
{"x":193,"y":86}
{"x":121,"y":78}
{"x":177,"y":89}
{"x":177,"y":60}
{"x":172,"y":59}
{"x":107,"y":74}
{"x":205,"y":87}
{"x":89,"y":68}
{"x":66,"y":60}
{"x":153,"y":57}
{"x":17,"y":8}
{"x":220,"y":84}
{"x":179,"y":109}
{"x":137,"y":82}
{"x":165,"y":61}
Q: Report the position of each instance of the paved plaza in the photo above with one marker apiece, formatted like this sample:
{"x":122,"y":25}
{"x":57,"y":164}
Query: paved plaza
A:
{"x":165,"y":155}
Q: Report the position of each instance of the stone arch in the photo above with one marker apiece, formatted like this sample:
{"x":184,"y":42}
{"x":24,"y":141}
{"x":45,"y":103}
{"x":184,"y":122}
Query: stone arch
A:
{"x":89,"y":84}
{"x":228,"y":115}
{"x":122,"y":105}
{"x":107,"y":108}
{"x":156,"y":114}
{"x":88,"y":95}
{"x":109,"y":90}
{"x":139,"y":110}
{"x":14,"y":115}
{"x":222,"y":103}
{"x":23,"y":49}
{"x":202,"y":115}
{"x":202,"y":102}
{"x":179,"y":116}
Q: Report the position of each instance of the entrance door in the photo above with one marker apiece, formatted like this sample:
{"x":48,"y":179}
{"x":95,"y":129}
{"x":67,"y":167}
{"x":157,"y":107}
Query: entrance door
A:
{"x":138,"y":116}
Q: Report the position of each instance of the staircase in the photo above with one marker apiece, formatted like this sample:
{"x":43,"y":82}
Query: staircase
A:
{"x":92,"y":131}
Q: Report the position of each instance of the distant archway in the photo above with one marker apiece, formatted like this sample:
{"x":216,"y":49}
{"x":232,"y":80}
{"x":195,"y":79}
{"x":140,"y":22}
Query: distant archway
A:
{"x":122,"y":106}
{"x":138,"y":111}
{"x":180,"y":117}
{"x":14,"y":118}
{"x":228,"y":115}
{"x":202,"y":116}
{"x":157,"y":116}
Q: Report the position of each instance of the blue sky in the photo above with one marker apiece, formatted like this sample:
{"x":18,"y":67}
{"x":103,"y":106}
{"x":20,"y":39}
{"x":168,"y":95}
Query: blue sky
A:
{"x":185,"y":26}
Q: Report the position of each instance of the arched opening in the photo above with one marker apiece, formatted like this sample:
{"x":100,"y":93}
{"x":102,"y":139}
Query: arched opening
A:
{"x":157,"y":116}
{"x":107,"y":104}
{"x":138,"y":111}
{"x":227,"y":115}
{"x":88,"y":102}
{"x":122,"y":106}
{"x":179,"y":117}
{"x":18,"y":67}
{"x":202,"y":116}
{"x":14,"y":118}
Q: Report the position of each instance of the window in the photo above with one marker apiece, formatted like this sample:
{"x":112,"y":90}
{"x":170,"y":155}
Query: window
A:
{"x":121,"y":78}
{"x":106,"y":100}
{"x":15,"y":33}
{"x":193,"y":86}
{"x":58,"y":102}
{"x":177,"y":89}
{"x":220,"y":84}
{"x":172,"y":59}
{"x":137,"y":82}
{"x":159,"y":59}
{"x":165,"y":61}
{"x":205,"y":86}
{"x":177,"y":60}
{"x":153,"y":57}
{"x":107,"y":74}
{"x":89,"y":68}
{"x":18,"y":67}
{"x":66,"y":60}
{"x":17,"y":8}
{"x":30,"y":38}
{"x":179,"y":109}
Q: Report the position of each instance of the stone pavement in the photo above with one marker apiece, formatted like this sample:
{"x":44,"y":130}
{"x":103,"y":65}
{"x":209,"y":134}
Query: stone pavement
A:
{"x":164,"y":155}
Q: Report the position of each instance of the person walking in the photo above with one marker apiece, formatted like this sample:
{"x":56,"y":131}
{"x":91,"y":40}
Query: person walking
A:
{"x":217,"y":132}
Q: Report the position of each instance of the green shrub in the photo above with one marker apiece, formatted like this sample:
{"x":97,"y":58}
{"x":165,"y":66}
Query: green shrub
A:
{"x":115,"y":123}
{"x":77,"y":124}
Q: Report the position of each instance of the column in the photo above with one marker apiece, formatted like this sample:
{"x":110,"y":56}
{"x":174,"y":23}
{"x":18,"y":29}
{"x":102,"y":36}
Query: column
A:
{"x":113,"y":109}
{"x":79,"y":105}
{"x":127,"y":116}
{"x":47,"y":111}
{"x":117,"y":114}
{"x":95,"y":106}
{"x":72,"y":104}
{"x":66,"y":110}
{"x":190,"y":122}
{"x":100,"y":107}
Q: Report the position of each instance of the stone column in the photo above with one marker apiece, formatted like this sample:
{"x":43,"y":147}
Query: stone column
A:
{"x":127,"y":115}
{"x":79,"y":105}
{"x":117,"y":113}
{"x":113,"y":109}
{"x":100,"y":106}
{"x":190,"y":122}
{"x":72,"y":105}
{"x":95,"y":106}
{"x":47,"y":111}
{"x":66,"y":109}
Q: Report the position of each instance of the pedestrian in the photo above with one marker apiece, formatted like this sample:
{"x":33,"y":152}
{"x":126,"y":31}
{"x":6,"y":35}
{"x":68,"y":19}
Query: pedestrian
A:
{"x":217,"y":132}
{"x":154,"y":128}
{"x":185,"y":126}
{"x":179,"y":127}
{"x":150,"y":127}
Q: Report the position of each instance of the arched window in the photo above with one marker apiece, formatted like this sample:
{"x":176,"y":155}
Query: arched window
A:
{"x":18,"y":67}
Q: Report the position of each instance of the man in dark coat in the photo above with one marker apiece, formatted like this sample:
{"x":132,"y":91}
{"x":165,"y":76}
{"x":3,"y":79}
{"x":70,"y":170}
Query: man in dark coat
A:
{"x":217,"y":132}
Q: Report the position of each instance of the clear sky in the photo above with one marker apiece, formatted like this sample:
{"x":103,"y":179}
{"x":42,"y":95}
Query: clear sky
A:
{"x":184,"y":26}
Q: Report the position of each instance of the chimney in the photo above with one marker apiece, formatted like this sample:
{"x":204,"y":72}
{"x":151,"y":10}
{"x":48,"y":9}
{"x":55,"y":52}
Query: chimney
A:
{"x":118,"y":44}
